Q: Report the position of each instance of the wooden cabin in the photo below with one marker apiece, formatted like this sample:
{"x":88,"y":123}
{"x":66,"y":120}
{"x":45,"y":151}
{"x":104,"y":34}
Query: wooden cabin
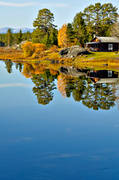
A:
{"x":103,"y":44}
{"x":2,"y":44}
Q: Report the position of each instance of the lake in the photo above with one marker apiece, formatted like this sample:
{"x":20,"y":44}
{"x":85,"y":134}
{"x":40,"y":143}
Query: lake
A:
{"x":58,"y":125}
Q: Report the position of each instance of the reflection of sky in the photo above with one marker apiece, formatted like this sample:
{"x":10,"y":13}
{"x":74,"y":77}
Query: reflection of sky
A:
{"x":63,"y":140}
{"x":14,"y":85}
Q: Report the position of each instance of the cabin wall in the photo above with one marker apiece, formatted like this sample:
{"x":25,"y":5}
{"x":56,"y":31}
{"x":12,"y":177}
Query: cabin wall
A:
{"x":103,"y":47}
{"x":2,"y":44}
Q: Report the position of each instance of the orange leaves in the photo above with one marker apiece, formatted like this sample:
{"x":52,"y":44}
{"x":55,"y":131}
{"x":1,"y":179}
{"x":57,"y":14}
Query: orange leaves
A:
{"x":32,"y":49}
{"x":62,"y":36}
{"x":54,"y":48}
{"x":39,"y":47}
{"x":28,"y":49}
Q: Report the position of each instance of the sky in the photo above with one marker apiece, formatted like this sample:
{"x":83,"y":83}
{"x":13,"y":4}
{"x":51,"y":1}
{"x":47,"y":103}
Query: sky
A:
{"x":21,"y":13}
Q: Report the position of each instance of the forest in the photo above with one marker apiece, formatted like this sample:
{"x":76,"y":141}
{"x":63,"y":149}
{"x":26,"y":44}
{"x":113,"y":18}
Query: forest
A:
{"x":98,"y":19}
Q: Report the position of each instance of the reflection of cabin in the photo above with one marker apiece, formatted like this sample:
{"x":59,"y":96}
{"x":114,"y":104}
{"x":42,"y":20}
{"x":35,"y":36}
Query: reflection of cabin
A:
{"x":104,"y":44}
{"x":104,"y":76}
{"x":2,"y":44}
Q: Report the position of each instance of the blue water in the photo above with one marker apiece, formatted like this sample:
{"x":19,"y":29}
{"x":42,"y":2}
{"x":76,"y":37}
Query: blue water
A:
{"x":63,"y":140}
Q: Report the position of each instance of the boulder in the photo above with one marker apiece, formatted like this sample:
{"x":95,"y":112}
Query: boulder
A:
{"x":64,"y":51}
{"x":73,"y":52}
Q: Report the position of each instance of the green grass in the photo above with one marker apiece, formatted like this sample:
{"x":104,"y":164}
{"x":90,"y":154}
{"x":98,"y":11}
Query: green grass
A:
{"x":101,"y":55}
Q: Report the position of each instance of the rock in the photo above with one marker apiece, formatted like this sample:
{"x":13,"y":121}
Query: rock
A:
{"x":73,"y":52}
{"x":64,"y":51}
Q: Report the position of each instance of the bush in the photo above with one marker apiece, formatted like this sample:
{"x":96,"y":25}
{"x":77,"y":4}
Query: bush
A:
{"x":39,"y":47}
{"x":33,"y":49}
{"x":38,"y":50}
{"x":28,"y":49}
{"x":54,"y":48}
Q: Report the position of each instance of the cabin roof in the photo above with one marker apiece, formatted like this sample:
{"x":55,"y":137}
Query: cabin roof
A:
{"x":107,"y":80}
{"x":92,"y":43}
{"x":104,"y":40}
{"x":108,"y":39}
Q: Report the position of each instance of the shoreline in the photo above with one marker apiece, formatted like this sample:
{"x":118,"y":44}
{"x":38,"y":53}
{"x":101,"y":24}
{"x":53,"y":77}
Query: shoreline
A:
{"x":95,"y":59}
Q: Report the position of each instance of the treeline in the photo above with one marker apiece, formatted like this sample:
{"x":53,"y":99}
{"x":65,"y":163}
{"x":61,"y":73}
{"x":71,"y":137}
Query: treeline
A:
{"x":11,"y":39}
{"x":98,"y":19}
{"x":95,"y":20}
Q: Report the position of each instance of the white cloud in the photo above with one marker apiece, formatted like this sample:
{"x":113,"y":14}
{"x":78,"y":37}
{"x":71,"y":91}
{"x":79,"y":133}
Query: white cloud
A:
{"x":60,"y":5}
{"x":16,"y":4}
{"x":15,"y":85}
{"x":55,"y":5}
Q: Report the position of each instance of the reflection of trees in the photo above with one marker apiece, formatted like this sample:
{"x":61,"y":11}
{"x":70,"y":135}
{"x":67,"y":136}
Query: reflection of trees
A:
{"x":19,"y":66}
{"x":96,"y":96}
{"x":76,"y":88}
{"x":61,"y":84}
{"x":9,"y":65}
{"x":44,"y":86}
{"x":99,"y":96}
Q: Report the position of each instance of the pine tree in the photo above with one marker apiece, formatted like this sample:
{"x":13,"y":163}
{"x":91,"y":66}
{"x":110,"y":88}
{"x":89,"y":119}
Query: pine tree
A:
{"x":43,"y":27}
{"x":9,"y":38}
{"x":80,"y":29}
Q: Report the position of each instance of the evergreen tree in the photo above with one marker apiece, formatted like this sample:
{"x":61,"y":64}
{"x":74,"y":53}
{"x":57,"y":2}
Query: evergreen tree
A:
{"x":19,"y":37}
{"x":80,"y":29}
{"x":44,"y":27}
{"x":9,"y":38}
{"x":100,"y":18}
{"x":115,"y":30}
{"x":53,"y":37}
{"x":70,"y":34}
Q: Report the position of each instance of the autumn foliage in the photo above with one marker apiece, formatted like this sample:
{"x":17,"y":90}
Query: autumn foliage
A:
{"x":54,"y":48}
{"x":32,"y":49}
{"x":62,"y":36}
{"x":66,"y":36}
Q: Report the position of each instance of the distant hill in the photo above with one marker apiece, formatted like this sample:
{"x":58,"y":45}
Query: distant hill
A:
{"x":15,"y":30}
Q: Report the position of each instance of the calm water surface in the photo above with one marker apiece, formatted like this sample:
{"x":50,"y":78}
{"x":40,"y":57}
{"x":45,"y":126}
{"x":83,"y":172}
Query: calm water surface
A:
{"x":58,"y":125}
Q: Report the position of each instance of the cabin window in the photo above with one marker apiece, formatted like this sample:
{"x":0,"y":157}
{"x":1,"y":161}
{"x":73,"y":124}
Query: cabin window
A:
{"x":110,"y":47}
{"x":109,"y":73}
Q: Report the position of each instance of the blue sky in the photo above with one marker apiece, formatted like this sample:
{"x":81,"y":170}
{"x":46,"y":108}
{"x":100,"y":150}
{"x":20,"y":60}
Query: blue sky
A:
{"x":21,"y":13}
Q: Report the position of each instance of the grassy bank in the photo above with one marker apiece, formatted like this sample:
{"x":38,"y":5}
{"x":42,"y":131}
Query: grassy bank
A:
{"x":93,"y":59}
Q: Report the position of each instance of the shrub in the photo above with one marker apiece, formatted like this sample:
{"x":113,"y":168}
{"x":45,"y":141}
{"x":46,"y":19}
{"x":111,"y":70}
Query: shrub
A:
{"x":28,"y":49}
{"x":54,"y":48}
{"x":33,"y":49}
{"x":39,"y":47}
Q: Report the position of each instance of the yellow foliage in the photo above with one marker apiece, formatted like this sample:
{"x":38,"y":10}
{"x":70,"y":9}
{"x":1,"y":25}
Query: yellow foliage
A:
{"x":28,"y":49}
{"x":54,"y":48}
{"x":53,"y":72}
{"x":9,"y":53}
{"x":62,"y":36}
{"x":39,"y":47}
{"x":28,"y":70}
{"x":33,"y":49}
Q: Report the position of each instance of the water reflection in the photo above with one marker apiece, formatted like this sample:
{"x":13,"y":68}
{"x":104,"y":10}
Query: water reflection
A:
{"x":9,"y":65}
{"x":44,"y":86}
{"x":96,"y":89}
